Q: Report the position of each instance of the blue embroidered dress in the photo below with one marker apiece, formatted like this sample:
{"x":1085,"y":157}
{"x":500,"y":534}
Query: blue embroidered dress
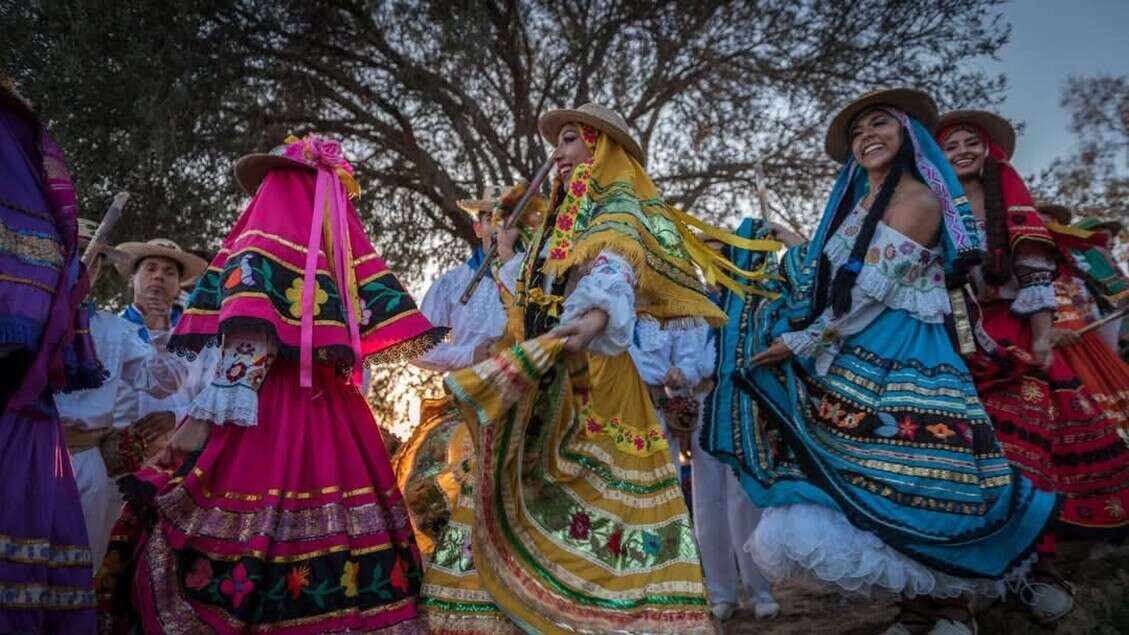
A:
{"x":870,"y":447}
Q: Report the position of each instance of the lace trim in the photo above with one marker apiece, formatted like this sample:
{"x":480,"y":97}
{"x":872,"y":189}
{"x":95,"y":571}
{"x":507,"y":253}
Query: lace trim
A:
{"x":897,"y":271}
{"x":1033,"y":299}
{"x":220,"y":405}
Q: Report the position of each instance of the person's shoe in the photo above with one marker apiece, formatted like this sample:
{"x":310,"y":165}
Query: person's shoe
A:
{"x":723,"y":610}
{"x":765,"y":607}
{"x":1048,"y":598}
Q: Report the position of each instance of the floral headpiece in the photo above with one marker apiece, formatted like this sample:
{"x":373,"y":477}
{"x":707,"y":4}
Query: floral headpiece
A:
{"x":316,"y":152}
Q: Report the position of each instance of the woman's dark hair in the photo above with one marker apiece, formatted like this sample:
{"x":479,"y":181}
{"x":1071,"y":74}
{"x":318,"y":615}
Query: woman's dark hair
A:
{"x":997,"y":265}
{"x":840,"y":288}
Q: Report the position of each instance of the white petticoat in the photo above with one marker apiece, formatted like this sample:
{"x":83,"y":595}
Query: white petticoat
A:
{"x":818,"y":545}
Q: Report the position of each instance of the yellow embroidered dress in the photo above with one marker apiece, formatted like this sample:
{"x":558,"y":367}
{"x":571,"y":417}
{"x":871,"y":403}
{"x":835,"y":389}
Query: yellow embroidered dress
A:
{"x":577,"y":522}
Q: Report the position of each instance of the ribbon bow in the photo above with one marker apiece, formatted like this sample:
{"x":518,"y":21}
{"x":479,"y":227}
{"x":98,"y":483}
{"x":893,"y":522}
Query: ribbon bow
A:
{"x":330,"y":201}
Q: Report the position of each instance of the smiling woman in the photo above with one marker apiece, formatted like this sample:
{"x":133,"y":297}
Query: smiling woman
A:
{"x":872,"y":453}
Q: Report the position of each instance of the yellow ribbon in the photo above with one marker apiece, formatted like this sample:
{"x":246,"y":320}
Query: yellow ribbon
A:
{"x":548,"y":300}
{"x":714,"y":265}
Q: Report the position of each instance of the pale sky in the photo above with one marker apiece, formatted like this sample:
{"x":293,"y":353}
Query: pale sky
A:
{"x":1051,"y":40}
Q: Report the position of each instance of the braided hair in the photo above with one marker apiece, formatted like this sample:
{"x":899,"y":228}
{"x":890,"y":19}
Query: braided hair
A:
{"x":840,"y":289}
{"x":997,"y":265}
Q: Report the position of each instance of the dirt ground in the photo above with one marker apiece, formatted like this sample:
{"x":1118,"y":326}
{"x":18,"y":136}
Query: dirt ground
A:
{"x":1101,"y":606}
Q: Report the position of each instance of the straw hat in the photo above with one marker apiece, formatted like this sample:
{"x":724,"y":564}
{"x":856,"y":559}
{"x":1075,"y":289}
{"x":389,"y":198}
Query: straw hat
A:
{"x":485,"y":202}
{"x":1060,"y":213}
{"x":603,"y":119}
{"x":913,"y":102}
{"x":309,"y":152}
{"x":998,"y":129}
{"x":191,"y":265}
{"x":1094,"y":223}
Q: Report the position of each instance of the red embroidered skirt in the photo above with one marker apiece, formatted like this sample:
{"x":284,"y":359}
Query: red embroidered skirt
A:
{"x":1052,"y":429}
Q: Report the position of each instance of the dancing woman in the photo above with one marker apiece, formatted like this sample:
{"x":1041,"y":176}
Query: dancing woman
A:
{"x":1048,"y":424}
{"x":579,"y":524}
{"x":284,"y":514}
{"x":866,"y":441}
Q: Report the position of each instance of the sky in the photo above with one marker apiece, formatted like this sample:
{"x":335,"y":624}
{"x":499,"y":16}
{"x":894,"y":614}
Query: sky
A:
{"x":1050,"y":41}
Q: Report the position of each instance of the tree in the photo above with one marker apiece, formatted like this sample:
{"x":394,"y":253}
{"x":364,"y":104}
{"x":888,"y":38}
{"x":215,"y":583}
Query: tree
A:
{"x":1094,"y":179}
{"x":435,"y":99}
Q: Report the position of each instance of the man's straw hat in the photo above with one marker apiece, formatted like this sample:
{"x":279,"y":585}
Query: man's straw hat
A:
{"x":191,"y":265}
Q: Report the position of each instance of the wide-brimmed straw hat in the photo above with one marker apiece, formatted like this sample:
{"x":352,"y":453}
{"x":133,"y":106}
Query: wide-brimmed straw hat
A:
{"x":913,"y":102}
{"x":191,"y":265}
{"x":603,"y":119}
{"x":1093,"y":223}
{"x":310,"y":152}
{"x":485,"y":202}
{"x":999,"y":130}
{"x":1060,"y":213}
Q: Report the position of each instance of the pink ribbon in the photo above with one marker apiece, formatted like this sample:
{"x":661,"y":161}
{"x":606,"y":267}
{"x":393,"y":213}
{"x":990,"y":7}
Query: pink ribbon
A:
{"x":329,"y":190}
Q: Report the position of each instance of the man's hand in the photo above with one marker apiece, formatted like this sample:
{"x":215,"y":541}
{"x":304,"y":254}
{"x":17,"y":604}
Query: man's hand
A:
{"x":155,"y":309}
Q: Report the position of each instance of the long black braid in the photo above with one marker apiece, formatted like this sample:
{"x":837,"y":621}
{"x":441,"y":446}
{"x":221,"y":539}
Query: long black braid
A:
{"x":997,"y":266}
{"x":845,"y":278}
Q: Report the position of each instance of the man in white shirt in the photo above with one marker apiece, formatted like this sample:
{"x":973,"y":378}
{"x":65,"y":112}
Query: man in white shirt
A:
{"x":667,"y":361}
{"x":156,"y":269}
{"x":94,"y":420}
{"x":476,"y":325}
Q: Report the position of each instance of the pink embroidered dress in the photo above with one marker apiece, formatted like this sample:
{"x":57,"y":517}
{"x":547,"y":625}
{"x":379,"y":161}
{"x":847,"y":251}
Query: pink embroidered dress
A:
{"x":289,"y":519}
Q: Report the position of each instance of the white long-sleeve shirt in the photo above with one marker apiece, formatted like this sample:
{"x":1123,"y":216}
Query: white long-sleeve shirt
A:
{"x":656,"y":350}
{"x":133,"y":367}
{"x":482,"y":318}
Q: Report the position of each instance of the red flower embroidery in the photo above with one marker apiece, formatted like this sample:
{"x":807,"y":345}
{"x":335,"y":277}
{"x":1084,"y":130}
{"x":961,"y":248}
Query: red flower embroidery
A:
{"x":400,"y":576}
{"x":907,"y":428}
{"x":296,"y":580}
{"x":557,"y":254}
{"x":594,"y":426}
{"x":238,"y":585}
{"x":639,"y":443}
{"x":940,"y":430}
{"x":200,"y":576}
{"x":590,"y":135}
{"x":580,"y":526}
{"x":564,"y":223}
{"x":615,"y":542}
{"x":578,"y":188}
{"x":236,"y":371}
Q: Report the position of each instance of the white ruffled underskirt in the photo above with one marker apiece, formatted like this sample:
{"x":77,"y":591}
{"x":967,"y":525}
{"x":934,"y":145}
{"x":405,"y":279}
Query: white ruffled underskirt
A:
{"x":818,"y":546}
{"x":228,"y":405}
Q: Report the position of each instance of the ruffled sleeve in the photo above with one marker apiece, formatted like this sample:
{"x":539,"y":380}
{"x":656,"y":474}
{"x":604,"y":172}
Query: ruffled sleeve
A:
{"x":897,"y":273}
{"x":232,"y":397}
{"x":609,"y":285}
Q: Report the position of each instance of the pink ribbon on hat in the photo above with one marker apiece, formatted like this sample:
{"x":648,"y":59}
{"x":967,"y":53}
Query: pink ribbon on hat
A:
{"x":326,"y":158}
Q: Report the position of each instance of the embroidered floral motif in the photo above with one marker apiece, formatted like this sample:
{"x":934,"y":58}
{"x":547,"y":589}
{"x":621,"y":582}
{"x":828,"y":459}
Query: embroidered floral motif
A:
{"x":1114,"y":509}
{"x":238,"y":586}
{"x":199,"y":577}
{"x":891,"y":253}
{"x":652,"y":543}
{"x":294,"y":296}
{"x":941,"y":431}
{"x":235,"y":372}
{"x":873,"y":255}
{"x":965,"y":431}
{"x":580,"y":525}
{"x":573,"y":215}
{"x":633,"y":441}
{"x":296,"y":580}
{"x":349,"y":579}
{"x":400,"y":576}
{"x":907,"y":428}
{"x":1030,"y":391}
{"x":615,"y":542}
